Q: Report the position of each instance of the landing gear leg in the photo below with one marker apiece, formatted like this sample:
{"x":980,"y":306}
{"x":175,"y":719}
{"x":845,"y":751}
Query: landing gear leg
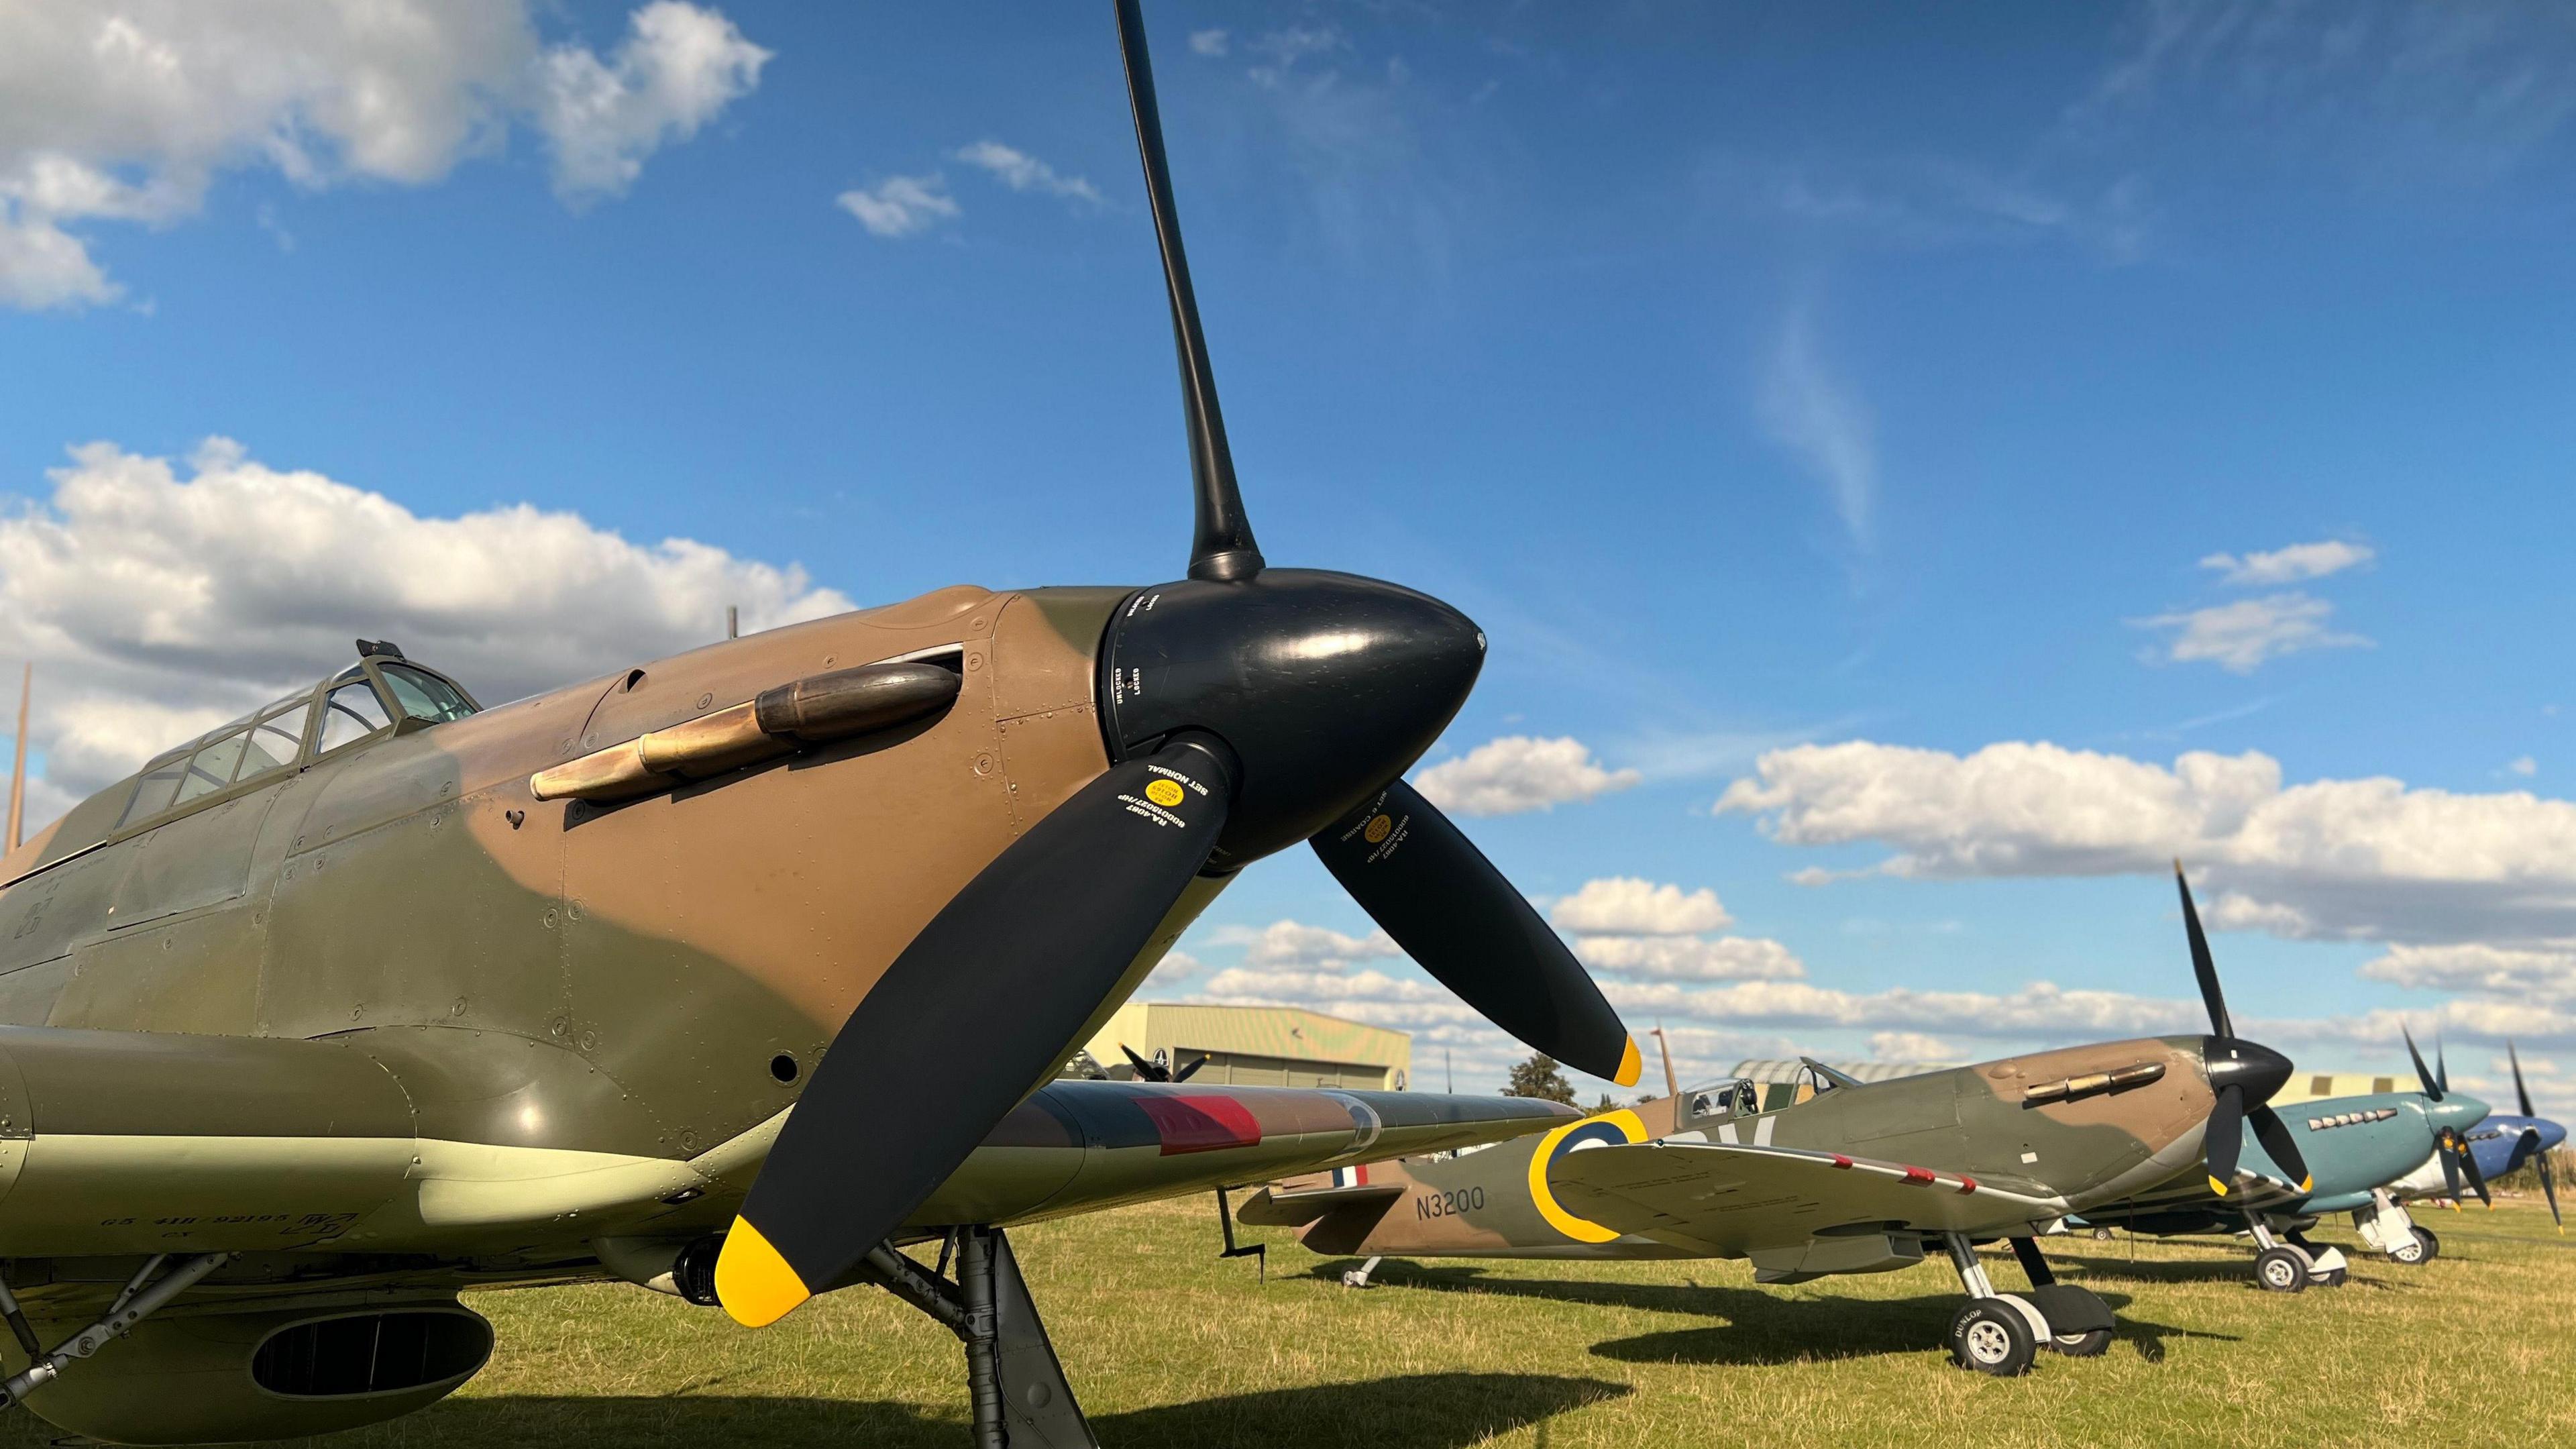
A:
{"x":1017,"y":1388}
{"x":2387,"y":1228}
{"x":2278,"y":1267}
{"x":140,"y":1300}
{"x":2079,"y":1322}
{"x":2327,"y":1265}
{"x":1359,"y":1277}
{"x":1993,"y":1333}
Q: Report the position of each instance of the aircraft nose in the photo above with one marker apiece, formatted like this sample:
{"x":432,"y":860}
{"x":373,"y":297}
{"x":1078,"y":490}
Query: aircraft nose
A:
{"x":2231,"y":1061}
{"x":1324,"y":686}
{"x":2458,"y":1111}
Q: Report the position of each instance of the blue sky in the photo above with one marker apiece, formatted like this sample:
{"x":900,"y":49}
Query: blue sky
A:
{"x":1829,"y":378}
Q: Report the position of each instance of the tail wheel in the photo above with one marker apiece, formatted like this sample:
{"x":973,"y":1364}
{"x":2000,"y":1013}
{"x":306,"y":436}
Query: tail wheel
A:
{"x":1992,"y":1338}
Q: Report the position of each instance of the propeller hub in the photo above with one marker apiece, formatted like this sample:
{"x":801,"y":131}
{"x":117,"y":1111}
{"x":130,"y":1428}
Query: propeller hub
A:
{"x":2459,"y":1112}
{"x":1324,"y":685}
{"x":2234,"y":1062}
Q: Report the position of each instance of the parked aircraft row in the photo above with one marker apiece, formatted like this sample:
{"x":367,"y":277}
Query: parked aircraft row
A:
{"x":2164,"y":1136}
{"x":736,"y":974}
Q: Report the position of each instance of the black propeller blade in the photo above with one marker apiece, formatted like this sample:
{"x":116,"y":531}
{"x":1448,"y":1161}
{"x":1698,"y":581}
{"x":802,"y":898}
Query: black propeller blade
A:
{"x":2441,"y":1065}
{"x":2423,"y":1073}
{"x":1222,"y":546}
{"x":2224,"y":1137}
{"x":2453,"y":1150}
{"x":2530,"y":1147}
{"x":1422,"y":880}
{"x":1045,"y":932}
{"x":2243,"y":1074}
{"x":1158,"y":1071}
{"x":2204,"y":967}
{"x":1246,"y":708}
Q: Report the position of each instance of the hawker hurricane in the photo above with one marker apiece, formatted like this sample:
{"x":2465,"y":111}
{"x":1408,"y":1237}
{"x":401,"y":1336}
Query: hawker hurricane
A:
{"x":372,"y":994}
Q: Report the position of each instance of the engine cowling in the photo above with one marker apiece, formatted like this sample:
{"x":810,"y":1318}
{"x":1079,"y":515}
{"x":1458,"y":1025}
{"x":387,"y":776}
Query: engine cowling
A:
{"x":273,"y":1374}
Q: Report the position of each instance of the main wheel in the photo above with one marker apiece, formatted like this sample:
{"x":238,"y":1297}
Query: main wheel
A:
{"x":2333,"y":1278}
{"x":1992,"y":1338}
{"x":2281,"y":1270}
{"x":2082,"y":1345}
{"x":2432,"y":1243}
{"x":2412,"y":1250}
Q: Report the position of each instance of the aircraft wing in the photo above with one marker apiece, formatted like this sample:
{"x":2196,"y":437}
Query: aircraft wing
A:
{"x":1079,"y":1146}
{"x":1273,"y":1208}
{"x":1734,"y":1200}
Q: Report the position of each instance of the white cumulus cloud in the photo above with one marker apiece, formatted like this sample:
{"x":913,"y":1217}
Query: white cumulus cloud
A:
{"x":1630,"y":906}
{"x":900,"y":206}
{"x":1690,"y":958}
{"x":1910,"y":1046}
{"x":2368,"y":859}
{"x":2295,"y":564}
{"x":2240,"y":637}
{"x":678,"y":68}
{"x":1519,"y":773}
{"x":157,"y":601}
{"x":126,"y":110}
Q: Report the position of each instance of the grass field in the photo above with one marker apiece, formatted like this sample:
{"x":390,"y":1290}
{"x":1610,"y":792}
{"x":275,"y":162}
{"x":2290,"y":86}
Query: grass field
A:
{"x":1171,"y":1348}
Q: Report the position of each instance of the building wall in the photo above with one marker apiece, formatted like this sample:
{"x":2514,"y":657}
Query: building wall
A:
{"x":1263,"y":1046}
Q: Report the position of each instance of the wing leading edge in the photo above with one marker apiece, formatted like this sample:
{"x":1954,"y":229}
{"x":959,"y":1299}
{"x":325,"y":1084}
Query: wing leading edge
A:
{"x":1737,"y":1201}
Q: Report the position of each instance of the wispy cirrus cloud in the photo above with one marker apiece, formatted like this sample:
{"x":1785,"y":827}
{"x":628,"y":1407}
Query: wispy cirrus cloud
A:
{"x":1020,"y":171}
{"x":1822,"y":423}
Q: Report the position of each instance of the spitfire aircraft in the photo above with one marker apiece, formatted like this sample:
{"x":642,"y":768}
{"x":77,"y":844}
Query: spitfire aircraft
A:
{"x":1852,"y":1177}
{"x":2350,"y":1152}
{"x":373,"y":994}
{"x":2502,"y":1143}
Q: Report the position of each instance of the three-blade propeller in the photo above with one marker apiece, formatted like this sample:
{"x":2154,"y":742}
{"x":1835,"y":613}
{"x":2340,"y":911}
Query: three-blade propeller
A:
{"x":2244,"y":1074}
{"x":1157,"y":1071}
{"x":1245,"y":708}
{"x":2529,"y":1147}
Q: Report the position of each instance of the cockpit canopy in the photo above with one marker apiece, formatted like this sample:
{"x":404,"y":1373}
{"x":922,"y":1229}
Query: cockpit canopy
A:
{"x":382,"y":694}
{"x":1734,"y":1097}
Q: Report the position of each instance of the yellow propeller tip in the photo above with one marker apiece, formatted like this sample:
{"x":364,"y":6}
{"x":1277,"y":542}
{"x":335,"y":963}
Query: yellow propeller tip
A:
{"x":2308,"y":1183}
{"x":2218,"y":1187}
{"x":753,"y":1282}
{"x":1632,"y":1065}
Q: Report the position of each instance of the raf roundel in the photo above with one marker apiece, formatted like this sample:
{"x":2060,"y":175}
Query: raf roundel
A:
{"x":1166,"y":793}
{"x":1609,"y":1129}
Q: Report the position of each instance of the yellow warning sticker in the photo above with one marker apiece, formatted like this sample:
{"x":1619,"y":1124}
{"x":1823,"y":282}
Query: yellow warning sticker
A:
{"x":1378,"y":826}
{"x":1166,"y":793}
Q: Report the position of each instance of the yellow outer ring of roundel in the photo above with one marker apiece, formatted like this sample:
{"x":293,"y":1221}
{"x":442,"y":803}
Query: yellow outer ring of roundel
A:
{"x":1582,"y":1230}
{"x":1166,"y":793}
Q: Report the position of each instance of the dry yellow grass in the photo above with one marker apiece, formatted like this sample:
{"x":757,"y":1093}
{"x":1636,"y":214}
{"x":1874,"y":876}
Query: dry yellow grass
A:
{"x":1170,"y":1347}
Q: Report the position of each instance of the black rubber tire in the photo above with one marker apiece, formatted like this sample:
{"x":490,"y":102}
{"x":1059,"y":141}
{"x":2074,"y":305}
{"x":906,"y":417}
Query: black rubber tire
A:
{"x":2281,"y":1270}
{"x":2082,"y":1345}
{"x":2432,"y":1243}
{"x":1992,"y":1337}
{"x":2332,"y":1278}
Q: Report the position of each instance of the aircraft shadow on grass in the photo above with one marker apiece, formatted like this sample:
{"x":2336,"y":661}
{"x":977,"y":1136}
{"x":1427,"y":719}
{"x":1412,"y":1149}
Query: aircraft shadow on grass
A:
{"x":1764,"y":1328}
{"x":1415,"y":1411}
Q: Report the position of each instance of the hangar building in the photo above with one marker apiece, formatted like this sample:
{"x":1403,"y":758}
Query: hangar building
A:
{"x":1256,"y":1046}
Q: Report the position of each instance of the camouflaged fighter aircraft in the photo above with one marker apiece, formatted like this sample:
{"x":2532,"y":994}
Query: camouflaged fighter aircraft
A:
{"x":2355,"y":1152}
{"x":372,"y":994}
{"x":1851,"y":1178}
